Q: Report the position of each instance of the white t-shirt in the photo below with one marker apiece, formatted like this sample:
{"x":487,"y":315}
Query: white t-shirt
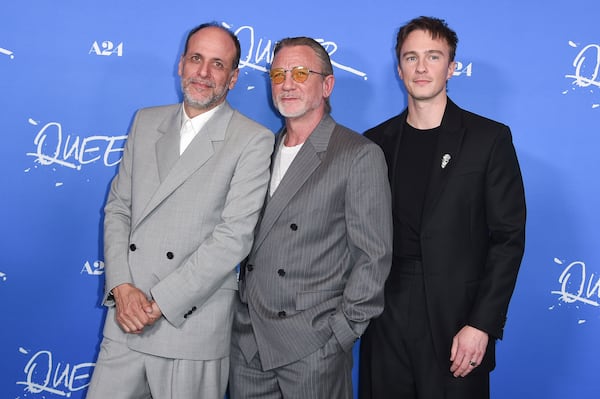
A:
{"x":283,"y":159}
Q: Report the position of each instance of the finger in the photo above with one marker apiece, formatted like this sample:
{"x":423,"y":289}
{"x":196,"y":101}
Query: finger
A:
{"x":462,"y":367}
{"x":459,"y":359}
{"x":140,"y":323}
{"x":468,"y":368}
{"x":453,"y":350}
{"x":127,"y":325}
{"x":132,"y":322}
{"x":137,"y":314}
{"x":461,"y":372}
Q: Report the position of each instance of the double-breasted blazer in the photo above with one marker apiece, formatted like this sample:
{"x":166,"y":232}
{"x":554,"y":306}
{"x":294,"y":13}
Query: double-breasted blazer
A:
{"x":322,"y":251}
{"x":177,"y":226}
{"x":473,"y":225}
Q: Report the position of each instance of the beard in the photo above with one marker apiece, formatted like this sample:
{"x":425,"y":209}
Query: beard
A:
{"x":290,"y":114}
{"x":202,"y":101}
{"x":291,"y":110}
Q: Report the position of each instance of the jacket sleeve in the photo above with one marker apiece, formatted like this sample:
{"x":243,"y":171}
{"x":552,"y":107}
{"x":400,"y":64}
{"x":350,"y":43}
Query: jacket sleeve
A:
{"x":369,"y":235}
{"x":505,"y":213}
{"x":117,"y":221}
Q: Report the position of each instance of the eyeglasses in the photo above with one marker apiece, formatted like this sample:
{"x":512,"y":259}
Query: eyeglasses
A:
{"x":299,"y":74}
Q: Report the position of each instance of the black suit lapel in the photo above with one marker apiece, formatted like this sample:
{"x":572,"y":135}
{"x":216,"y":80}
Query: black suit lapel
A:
{"x":392,"y":136}
{"x":446,"y":156}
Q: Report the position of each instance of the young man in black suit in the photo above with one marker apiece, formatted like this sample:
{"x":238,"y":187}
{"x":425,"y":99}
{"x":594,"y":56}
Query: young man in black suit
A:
{"x":459,"y":234}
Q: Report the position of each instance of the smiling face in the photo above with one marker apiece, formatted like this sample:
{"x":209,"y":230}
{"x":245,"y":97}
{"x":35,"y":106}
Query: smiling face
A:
{"x":294,"y":99}
{"x":206,"y":70}
{"x":425,"y":66}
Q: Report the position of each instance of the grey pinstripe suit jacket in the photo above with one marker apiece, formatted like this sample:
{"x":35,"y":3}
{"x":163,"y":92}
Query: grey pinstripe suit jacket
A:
{"x":322,"y":251}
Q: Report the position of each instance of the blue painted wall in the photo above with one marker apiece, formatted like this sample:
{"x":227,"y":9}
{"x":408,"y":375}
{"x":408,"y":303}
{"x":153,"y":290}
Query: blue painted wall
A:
{"x":73,"y":73}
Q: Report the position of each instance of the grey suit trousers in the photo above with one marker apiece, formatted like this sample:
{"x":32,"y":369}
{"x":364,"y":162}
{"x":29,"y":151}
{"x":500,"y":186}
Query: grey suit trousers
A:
{"x":324,"y":374}
{"x":122,"y":373}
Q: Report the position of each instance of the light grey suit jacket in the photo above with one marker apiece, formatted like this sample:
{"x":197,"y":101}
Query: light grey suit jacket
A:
{"x":177,"y":226}
{"x":322,"y":251}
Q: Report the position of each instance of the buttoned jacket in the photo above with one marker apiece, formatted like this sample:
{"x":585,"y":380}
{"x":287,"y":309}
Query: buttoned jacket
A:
{"x":177,"y":226}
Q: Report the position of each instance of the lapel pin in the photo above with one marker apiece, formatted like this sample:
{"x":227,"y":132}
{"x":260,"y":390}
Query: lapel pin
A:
{"x":445,"y":160}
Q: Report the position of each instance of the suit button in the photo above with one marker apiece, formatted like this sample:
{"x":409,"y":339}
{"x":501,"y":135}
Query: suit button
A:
{"x":185,"y":316}
{"x":282,"y":314}
{"x":132,"y":247}
{"x":281,"y":272}
{"x":193,"y":309}
{"x":249,"y":267}
{"x":170,"y":255}
{"x":294,"y":226}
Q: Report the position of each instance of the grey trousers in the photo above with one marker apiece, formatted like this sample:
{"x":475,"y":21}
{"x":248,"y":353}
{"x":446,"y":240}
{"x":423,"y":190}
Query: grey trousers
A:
{"x":324,"y":374}
{"x":121,"y":373}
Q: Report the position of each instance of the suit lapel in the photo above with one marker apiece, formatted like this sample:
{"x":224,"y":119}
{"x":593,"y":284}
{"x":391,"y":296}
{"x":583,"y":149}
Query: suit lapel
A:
{"x":167,"y":147}
{"x":174,"y":169}
{"x":449,"y":145}
{"x":393,"y":135}
{"x":302,"y":167}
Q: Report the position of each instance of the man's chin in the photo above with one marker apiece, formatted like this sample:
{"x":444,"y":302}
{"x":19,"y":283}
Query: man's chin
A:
{"x":291,"y":113}
{"x":202,"y":105}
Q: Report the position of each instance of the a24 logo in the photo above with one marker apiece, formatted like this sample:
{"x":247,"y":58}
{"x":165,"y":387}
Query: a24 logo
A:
{"x":106,"y":48}
{"x":95,"y":268}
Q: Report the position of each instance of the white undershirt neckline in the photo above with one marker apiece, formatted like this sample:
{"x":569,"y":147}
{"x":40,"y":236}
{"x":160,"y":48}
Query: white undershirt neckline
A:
{"x":283,"y":159}
{"x":191,"y":126}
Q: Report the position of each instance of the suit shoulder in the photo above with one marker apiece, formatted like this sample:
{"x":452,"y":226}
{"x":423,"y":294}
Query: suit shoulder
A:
{"x":344,"y":138}
{"x":472,"y":120}
{"x":156,"y":114}
{"x":159,"y":109}
{"x":385,"y":124}
{"x":149,"y":119}
{"x":249,"y":125}
{"x":345,"y":134}
{"x":377,"y":132}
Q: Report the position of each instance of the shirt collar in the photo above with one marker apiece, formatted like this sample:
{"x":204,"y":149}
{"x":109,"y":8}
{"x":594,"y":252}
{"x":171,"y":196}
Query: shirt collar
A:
{"x":199,"y":121}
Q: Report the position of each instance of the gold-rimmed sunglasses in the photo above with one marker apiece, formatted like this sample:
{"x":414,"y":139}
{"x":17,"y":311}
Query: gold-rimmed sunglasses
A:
{"x":299,"y":74}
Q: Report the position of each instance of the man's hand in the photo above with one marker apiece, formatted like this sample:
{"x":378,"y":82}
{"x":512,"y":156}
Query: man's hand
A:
{"x":131,"y":304}
{"x":468,"y":349}
{"x":153,"y":312}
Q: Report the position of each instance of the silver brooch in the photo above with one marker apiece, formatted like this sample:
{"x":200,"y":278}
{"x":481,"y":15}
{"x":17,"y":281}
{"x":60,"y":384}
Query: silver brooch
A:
{"x":445,"y":160}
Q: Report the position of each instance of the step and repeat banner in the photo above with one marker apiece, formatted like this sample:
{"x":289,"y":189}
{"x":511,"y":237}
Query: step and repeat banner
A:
{"x":72,"y":74}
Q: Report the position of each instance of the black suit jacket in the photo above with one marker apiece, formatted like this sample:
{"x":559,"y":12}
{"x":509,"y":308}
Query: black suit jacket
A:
{"x":473,"y":224}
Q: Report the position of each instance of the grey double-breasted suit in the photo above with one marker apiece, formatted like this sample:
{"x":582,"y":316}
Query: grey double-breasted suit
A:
{"x":177,"y":226}
{"x":322,"y":251}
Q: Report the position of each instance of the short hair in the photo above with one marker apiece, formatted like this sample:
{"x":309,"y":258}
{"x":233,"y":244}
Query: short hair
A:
{"x":317,"y":48}
{"x":234,"y":38}
{"x":438,"y":28}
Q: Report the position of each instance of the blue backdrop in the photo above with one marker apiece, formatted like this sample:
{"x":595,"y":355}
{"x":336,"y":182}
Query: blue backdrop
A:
{"x":72,"y":73}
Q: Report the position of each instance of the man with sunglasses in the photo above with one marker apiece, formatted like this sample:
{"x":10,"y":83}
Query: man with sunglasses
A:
{"x":322,"y":250}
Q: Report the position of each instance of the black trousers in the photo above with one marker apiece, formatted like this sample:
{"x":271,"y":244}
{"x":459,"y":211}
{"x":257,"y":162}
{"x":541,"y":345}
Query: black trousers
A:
{"x":397,"y":357}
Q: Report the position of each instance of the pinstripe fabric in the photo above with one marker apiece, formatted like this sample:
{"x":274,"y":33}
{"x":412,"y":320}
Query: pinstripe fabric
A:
{"x":321,"y":254}
{"x":324,"y":374}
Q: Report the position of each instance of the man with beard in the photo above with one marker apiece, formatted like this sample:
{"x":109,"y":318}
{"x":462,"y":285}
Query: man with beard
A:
{"x":323,"y":247}
{"x":180,"y":216}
